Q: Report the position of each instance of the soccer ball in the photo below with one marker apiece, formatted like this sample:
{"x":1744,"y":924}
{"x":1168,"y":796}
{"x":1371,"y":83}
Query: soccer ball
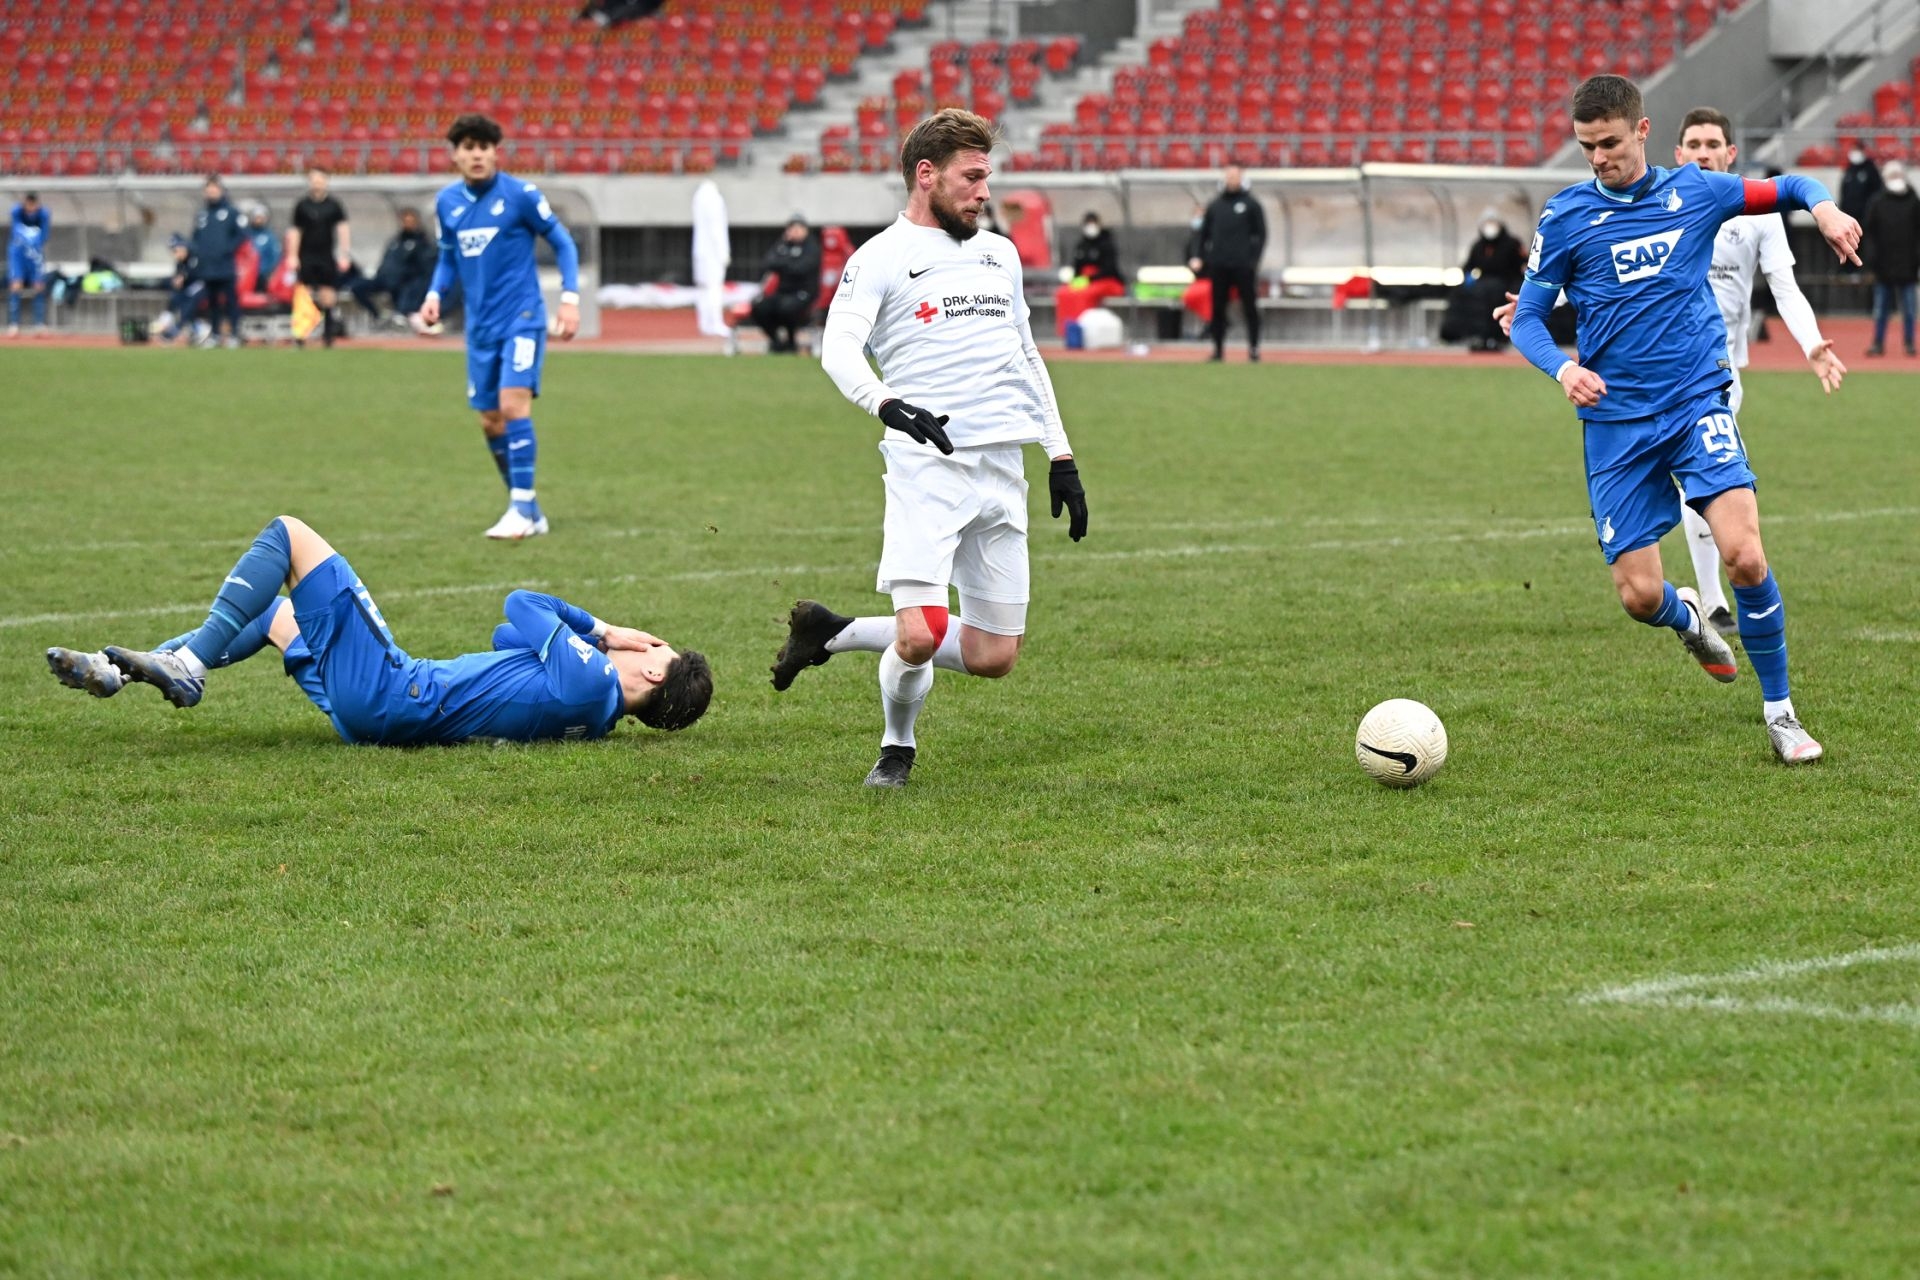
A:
{"x":1401,"y":743}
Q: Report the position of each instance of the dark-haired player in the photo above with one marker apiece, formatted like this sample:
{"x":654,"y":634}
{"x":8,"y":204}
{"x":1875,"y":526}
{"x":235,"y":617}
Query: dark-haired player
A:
{"x":555,"y":671}
{"x":940,"y":305}
{"x":488,"y":221}
{"x":1632,"y":250}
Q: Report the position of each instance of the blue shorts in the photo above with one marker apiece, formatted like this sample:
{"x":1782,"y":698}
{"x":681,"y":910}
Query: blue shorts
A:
{"x":1632,"y":466}
{"x":513,"y":361}
{"x":23,"y":269}
{"x":363,"y":676}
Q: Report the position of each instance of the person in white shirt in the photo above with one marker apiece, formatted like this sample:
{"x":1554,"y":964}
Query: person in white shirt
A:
{"x":1744,"y":246}
{"x":1757,"y":243}
{"x":939,"y":305}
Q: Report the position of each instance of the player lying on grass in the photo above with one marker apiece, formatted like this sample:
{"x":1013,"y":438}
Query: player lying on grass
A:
{"x":1632,"y":249}
{"x":555,"y":671}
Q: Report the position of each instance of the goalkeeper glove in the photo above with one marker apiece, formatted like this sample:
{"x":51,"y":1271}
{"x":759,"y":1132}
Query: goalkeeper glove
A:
{"x":916,"y":423}
{"x":1063,"y":485}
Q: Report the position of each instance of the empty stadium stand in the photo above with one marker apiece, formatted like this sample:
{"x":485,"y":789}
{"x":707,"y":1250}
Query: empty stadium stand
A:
{"x":1345,"y":81}
{"x":267,"y":87}
{"x":1886,"y":132}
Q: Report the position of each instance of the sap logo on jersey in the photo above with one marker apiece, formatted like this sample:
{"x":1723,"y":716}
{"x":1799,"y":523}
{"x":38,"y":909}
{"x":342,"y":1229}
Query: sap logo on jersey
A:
{"x":474,"y":243}
{"x":1638,"y":259}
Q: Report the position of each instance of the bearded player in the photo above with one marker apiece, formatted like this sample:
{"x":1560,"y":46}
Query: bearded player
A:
{"x":1632,"y":249}
{"x":961,"y":388}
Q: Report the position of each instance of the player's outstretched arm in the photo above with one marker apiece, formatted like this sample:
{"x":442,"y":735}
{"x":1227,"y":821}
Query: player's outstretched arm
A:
{"x":1791,"y":191}
{"x":1797,"y":314}
{"x":1063,"y":476}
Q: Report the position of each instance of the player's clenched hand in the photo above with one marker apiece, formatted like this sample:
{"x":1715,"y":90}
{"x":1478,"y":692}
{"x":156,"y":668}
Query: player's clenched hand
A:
{"x":1841,"y":231}
{"x":917,"y":423}
{"x":566,"y":320}
{"x":430,"y":310}
{"x":629,"y":638}
{"x":1583,"y":386}
{"x":1503,"y":314}
{"x":1063,"y":486}
{"x":1826,"y":365}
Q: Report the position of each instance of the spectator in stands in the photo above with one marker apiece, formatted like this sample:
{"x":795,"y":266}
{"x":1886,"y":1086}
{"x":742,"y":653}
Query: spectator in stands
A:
{"x":1890,"y":247}
{"x":406,"y":269}
{"x":320,"y":240}
{"x":1494,"y":267}
{"x":611,"y":13}
{"x":1233,"y":238}
{"x":1096,"y":274}
{"x":792,"y":286}
{"x":265,"y":242}
{"x":217,"y":236}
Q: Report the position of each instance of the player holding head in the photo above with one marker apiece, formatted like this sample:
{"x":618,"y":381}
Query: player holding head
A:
{"x":939,"y":303}
{"x":320,"y":240}
{"x":555,"y":671}
{"x":488,"y":221}
{"x":27,"y":262}
{"x":1632,"y":249}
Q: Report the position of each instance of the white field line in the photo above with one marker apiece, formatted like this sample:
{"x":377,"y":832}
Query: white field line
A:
{"x":1141,"y":553}
{"x":1691,"y":991}
{"x":1527,"y":527}
{"x":1887,"y":635}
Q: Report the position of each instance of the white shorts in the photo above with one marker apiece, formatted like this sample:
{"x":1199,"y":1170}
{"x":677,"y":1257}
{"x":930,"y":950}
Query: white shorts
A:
{"x":959,"y":520}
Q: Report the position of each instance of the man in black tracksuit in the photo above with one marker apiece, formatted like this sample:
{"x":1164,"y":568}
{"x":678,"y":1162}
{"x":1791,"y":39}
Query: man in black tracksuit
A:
{"x":1233,"y":235}
{"x":218,"y":232}
{"x":793,"y":265}
{"x":406,"y":270}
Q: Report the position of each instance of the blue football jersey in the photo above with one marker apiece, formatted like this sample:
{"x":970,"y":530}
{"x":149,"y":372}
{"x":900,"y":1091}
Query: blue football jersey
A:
{"x":29,"y":236}
{"x":545,"y":679}
{"x":490,"y":234}
{"x":1634,"y":265}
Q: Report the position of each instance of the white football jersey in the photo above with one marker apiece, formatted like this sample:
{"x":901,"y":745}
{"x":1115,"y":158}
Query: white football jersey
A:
{"x":1744,"y":246}
{"x":950,"y":331}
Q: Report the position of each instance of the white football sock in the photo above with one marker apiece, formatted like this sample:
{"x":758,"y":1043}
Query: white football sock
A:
{"x":903,"y":691}
{"x":191,"y":661}
{"x":1706,"y":559}
{"x":864,"y":635}
{"x":1771,"y":710}
{"x":948,"y":654}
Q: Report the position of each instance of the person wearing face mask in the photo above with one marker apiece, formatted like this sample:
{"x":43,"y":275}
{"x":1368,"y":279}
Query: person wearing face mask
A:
{"x":1494,"y":266}
{"x":1890,"y":246}
{"x":218,"y":232}
{"x":1859,"y":183}
{"x":1096,"y":275}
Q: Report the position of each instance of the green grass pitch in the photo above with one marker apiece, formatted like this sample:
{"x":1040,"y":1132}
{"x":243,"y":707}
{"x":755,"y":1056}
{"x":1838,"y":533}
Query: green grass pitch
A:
{"x":1141,"y":977}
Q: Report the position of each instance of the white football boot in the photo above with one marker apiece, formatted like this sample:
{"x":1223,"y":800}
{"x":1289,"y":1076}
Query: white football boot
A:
{"x":1791,"y":742}
{"x":514,"y":527}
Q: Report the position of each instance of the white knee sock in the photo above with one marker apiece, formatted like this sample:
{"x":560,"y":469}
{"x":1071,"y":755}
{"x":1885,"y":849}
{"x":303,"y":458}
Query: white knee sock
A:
{"x":1706,"y":558}
{"x":903,"y":691}
{"x":876,"y":635}
{"x":865,"y":635}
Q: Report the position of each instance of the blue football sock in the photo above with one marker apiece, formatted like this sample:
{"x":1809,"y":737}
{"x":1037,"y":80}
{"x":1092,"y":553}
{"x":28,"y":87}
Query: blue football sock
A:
{"x":40,"y":309}
{"x":1763,"y":634}
{"x":252,"y":638}
{"x":521,"y":452}
{"x":13,"y":307}
{"x":498,"y":446}
{"x":1673,"y":611}
{"x":249,"y":589}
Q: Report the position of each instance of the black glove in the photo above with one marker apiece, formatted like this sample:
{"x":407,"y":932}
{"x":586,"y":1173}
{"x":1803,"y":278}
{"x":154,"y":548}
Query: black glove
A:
{"x":1063,"y":485}
{"x":916,"y":423}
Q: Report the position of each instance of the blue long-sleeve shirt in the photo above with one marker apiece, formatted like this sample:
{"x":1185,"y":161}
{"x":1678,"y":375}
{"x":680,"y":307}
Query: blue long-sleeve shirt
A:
{"x":544,"y":678}
{"x":27,"y":235}
{"x":486,"y":240}
{"x":1634,"y":265}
